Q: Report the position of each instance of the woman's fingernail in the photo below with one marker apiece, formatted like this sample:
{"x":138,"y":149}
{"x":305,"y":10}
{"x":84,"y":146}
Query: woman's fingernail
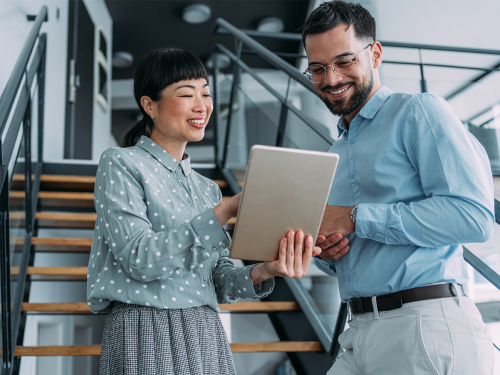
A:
{"x":345,"y":241}
{"x":309,"y":240}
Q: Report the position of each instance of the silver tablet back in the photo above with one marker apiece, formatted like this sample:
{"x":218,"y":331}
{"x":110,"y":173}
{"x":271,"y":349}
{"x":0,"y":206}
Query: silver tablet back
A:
{"x":284,"y":189}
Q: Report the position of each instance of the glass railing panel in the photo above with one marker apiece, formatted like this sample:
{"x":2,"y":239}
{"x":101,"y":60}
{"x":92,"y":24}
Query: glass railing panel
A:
{"x":17,"y":217}
{"x":314,"y":109}
{"x":277,"y":79}
{"x":254,"y":120}
{"x":299,"y":133}
{"x":478,"y":98}
{"x":224,"y":85}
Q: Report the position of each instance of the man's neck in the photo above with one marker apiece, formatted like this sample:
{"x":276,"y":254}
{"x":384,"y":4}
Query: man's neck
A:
{"x":348,"y":118}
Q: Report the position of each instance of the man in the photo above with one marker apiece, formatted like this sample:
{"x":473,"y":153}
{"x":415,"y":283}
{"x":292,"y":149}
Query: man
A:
{"x":411,"y":186}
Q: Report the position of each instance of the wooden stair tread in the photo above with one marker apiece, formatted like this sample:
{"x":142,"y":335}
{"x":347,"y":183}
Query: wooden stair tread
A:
{"x":82,"y":307}
{"x":67,"y":271}
{"x":68,"y":219}
{"x":252,"y":347}
{"x":51,"y":244}
{"x":75,"y":182}
{"x":60,"y":198}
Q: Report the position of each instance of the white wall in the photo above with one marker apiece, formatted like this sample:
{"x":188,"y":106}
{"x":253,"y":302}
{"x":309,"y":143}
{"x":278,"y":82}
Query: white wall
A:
{"x":15,"y":28}
{"x":102,"y":138}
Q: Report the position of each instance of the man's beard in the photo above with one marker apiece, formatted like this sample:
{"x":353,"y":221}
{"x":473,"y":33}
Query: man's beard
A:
{"x":345,"y":106}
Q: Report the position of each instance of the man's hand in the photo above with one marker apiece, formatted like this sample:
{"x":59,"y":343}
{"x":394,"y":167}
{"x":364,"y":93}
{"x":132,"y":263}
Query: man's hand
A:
{"x":330,"y":252}
{"x":336,"y":219}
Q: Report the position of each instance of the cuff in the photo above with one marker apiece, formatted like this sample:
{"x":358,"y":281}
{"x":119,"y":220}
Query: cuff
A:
{"x":246,"y":289}
{"x":371,"y":221}
{"x":327,"y":266}
{"x":209,"y":232}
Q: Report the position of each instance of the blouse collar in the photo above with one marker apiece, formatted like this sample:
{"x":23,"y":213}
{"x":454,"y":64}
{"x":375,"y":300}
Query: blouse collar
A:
{"x":164,"y":157}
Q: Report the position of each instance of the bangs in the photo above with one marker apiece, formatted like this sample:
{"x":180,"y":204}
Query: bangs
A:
{"x":174,"y":65}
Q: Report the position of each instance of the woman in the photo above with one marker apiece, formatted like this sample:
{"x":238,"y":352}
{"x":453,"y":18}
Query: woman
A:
{"x":159,"y":256}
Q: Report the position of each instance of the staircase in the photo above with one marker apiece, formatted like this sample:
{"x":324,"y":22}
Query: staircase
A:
{"x":66,"y":202}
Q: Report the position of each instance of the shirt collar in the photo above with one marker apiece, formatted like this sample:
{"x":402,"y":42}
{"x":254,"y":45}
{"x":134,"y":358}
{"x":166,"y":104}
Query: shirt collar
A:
{"x":370,"y":108}
{"x":164,"y":157}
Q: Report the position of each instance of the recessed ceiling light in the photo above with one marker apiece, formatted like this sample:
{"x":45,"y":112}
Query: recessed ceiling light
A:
{"x":122,"y":59}
{"x":271,"y":25}
{"x":196,"y":13}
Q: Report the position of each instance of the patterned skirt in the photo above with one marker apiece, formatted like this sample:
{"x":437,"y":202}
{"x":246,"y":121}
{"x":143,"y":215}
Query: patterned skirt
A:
{"x":140,"y":340}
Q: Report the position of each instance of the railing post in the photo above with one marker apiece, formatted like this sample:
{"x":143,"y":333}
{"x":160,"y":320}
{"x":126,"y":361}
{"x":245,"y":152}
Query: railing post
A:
{"x":423,"y":83}
{"x":232,"y":98}
{"x":280,"y":137}
{"x":27,"y":168}
{"x":41,"y":97}
{"x":216,"y":111}
{"x":339,"y":328}
{"x":5,"y":276}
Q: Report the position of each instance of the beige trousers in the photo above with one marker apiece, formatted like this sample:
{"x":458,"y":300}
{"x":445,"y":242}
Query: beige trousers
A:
{"x":445,"y":336}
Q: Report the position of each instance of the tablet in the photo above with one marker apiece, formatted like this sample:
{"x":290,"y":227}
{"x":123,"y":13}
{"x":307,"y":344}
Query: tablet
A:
{"x":284,"y":189}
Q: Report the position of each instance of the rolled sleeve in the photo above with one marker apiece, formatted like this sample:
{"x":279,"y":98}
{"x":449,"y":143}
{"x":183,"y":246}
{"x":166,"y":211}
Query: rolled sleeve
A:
{"x":371,"y":220}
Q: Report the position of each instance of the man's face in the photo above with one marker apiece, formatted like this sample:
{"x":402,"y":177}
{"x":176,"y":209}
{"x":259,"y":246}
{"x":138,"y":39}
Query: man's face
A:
{"x":342,"y":95}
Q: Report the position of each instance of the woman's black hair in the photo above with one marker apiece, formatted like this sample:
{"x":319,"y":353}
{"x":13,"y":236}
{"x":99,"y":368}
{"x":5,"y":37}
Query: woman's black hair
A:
{"x":159,"y":69}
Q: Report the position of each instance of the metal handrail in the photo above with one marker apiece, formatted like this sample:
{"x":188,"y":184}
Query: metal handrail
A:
{"x":30,"y":64}
{"x":267,"y":55}
{"x":298,"y":37}
{"x":9,"y":93}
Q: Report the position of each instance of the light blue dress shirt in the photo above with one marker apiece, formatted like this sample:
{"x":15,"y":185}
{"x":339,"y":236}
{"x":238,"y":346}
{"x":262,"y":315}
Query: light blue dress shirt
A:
{"x":423,"y":186}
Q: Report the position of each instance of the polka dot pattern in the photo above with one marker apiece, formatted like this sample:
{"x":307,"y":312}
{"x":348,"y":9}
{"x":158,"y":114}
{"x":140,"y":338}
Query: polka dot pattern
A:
{"x":153,"y":244}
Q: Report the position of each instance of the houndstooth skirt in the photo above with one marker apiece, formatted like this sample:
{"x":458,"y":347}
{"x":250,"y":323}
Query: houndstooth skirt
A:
{"x":140,"y":340}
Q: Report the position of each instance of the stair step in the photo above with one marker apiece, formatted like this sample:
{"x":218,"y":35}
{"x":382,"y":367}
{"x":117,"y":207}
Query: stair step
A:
{"x":238,"y":307}
{"x":59,"y":199}
{"x":56,"y":199}
{"x":66,"y":220}
{"x":251,"y":347}
{"x":50,"y":244}
{"x":64,"y":182}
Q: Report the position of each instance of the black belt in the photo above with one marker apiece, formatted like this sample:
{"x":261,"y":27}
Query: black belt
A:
{"x":396,"y":300}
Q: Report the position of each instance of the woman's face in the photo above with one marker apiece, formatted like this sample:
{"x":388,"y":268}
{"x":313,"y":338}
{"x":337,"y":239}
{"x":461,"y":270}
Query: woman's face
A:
{"x":183,"y":112}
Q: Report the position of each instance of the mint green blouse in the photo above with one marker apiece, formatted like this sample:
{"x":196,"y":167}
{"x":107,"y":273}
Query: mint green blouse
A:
{"x":156,"y":240}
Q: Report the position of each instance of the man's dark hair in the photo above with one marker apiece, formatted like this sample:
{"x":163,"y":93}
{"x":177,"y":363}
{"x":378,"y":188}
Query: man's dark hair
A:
{"x":333,"y":13}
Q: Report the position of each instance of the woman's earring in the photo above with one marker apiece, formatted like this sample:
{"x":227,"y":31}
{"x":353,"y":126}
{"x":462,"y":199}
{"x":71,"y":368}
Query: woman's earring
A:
{"x":152,"y":117}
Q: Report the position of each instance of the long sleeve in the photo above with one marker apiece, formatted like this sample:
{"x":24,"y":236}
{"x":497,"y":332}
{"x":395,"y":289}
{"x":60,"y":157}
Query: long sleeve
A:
{"x":232,"y":283}
{"x":123,"y":211}
{"x":456,"y":179}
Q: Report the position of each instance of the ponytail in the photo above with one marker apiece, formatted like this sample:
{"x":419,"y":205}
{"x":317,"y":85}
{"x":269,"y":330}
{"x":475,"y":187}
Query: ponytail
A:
{"x":143,"y":127}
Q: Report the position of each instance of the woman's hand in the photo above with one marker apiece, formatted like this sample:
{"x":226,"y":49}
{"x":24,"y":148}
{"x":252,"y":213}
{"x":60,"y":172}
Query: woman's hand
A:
{"x":295,"y":254}
{"x":227,"y":209}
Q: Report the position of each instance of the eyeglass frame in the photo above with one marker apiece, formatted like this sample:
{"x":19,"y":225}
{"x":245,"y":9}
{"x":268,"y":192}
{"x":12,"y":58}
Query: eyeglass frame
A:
{"x":334,"y":70}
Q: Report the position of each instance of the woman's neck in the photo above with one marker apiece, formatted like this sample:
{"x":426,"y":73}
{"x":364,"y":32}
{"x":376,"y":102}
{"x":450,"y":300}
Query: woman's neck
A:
{"x":174,"y":148}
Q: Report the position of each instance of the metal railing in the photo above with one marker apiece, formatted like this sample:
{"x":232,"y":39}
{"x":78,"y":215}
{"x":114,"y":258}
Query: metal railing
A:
{"x":244,"y":38}
{"x":25,"y":86}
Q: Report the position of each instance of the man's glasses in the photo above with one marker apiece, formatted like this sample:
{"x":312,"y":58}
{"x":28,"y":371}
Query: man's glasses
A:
{"x":342,"y":66}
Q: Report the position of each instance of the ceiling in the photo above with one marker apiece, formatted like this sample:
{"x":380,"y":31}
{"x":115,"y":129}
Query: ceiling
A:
{"x":140,"y":26}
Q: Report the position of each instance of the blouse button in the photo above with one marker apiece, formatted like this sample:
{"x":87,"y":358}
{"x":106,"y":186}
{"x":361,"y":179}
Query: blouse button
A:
{"x":214,"y":249}
{"x":204,"y":278}
{"x":189,"y":200}
{"x":223,"y":244}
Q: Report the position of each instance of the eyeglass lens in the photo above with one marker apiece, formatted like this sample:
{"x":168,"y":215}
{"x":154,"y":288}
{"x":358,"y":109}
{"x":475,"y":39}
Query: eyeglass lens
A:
{"x":342,"y":67}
